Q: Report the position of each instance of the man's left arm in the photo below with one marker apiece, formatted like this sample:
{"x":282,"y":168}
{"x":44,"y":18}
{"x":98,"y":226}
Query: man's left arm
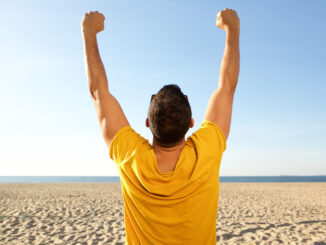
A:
{"x":109,"y":112}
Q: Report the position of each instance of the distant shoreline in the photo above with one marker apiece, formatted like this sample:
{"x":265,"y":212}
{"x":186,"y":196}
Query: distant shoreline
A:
{"x":115,"y":179}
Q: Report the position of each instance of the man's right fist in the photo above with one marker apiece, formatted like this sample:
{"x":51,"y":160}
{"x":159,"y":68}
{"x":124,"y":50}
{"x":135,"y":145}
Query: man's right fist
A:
{"x":228,"y":19}
{"x":93,"y":22}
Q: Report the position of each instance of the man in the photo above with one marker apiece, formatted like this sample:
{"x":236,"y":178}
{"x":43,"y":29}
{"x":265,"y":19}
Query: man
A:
{"x":170,"y":188}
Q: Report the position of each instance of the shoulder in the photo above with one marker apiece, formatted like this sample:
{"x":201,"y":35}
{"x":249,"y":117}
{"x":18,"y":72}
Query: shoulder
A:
{"x":126,"y":142}
{"x":210,"y":136}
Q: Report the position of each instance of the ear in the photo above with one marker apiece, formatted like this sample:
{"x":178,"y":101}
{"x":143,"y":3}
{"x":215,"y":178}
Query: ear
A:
{"x":192,"y":123}
{"x":147,"y":122}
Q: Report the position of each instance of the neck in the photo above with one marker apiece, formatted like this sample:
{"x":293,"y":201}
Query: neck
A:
{"x":168,"y":147}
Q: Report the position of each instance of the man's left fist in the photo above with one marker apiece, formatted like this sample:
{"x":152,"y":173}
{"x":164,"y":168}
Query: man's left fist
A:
{"x":93,"y":22}
{"x":227,"y":20}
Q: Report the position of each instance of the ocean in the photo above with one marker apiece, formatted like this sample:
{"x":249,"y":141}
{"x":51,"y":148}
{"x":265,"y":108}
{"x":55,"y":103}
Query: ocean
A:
{"x":83,"y":179}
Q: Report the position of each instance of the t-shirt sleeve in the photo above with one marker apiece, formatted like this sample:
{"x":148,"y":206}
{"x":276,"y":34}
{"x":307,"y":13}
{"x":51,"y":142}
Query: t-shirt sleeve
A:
{"x":125,"y":145}
{"x":210,"y":137}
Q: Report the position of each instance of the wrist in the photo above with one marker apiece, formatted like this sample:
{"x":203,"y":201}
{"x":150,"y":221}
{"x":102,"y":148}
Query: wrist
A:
{"x":88,"y":35}
{"x":232,"y":37}
{"x":232,"y":31}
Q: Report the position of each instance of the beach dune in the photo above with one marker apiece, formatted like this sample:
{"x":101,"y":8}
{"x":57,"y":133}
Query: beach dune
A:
{"x":92,"y":213}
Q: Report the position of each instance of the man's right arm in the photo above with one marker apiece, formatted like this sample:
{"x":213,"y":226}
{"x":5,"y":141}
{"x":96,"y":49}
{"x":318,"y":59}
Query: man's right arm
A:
{"x":219,"y":109}
{"x":109,"y":112}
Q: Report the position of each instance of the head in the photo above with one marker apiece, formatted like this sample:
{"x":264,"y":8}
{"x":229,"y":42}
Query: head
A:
{"x":169,"y":116}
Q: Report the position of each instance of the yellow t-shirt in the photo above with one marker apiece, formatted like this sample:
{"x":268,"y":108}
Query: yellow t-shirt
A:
{"x":178,"y":207}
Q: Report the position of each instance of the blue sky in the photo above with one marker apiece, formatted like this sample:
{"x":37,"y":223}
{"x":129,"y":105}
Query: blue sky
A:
{"x":48,"y":125}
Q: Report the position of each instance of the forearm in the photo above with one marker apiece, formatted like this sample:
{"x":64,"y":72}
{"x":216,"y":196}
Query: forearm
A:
{"x":95,"y":72}
{"x":230,"y":64}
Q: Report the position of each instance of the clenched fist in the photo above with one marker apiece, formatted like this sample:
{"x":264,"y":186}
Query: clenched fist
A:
{"x":228,"y":20}
{"x":92,"y":23}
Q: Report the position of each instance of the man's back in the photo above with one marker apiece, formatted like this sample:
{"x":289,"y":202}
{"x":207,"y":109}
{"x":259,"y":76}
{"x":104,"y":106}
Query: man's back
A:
{"x":164,"y":206}
{"x":177,"y":207}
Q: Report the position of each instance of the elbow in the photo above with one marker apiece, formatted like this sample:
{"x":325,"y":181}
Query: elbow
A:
{"x":98,"y":92}
{"x":229,"y":88}
{"x":232,"y":88}
{"x":229,"y":82}
{"x":92,"y":91}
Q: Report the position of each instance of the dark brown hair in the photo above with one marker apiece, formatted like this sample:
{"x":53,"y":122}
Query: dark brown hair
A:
{"x":169,"y":115}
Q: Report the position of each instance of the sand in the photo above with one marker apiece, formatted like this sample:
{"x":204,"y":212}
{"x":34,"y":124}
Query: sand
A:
{"x":272,"y":213}
{"x":92,"y":213}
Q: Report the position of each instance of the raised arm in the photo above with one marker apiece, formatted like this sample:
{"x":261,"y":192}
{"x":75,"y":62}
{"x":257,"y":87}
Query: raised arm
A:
{"x":109,"y":112}
{"x":219,"y":109}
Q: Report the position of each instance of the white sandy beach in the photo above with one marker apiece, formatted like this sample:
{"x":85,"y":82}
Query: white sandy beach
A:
{"x":92,"y":213}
